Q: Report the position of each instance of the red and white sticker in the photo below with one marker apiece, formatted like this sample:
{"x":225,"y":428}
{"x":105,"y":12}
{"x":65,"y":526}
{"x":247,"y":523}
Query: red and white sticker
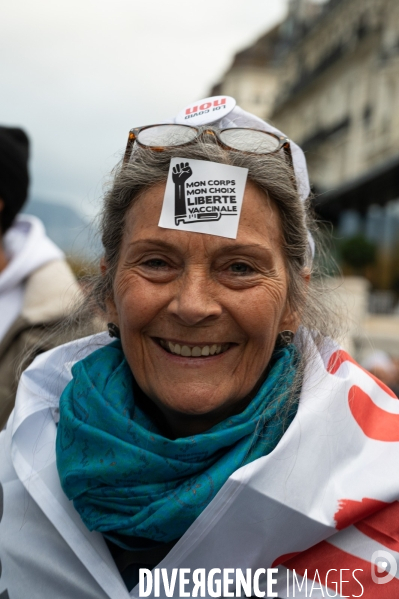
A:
{"x":206,"y":111}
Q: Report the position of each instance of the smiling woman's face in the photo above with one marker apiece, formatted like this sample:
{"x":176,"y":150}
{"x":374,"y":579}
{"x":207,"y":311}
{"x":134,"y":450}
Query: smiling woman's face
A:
{"x":199,"y":314}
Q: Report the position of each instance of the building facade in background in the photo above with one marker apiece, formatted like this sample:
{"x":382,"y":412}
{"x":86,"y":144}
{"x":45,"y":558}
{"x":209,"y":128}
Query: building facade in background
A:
{"x":331,"y":83}
{"x":252,"y":78}
{"x":338,"y":93}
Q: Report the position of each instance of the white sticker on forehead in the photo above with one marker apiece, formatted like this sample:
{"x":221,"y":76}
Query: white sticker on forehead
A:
{"x":203,"y":197}
{"x":206,"y":111}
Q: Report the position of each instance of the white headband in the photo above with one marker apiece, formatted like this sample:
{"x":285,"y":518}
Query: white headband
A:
{"x":207,"y":112}
{"x":234,"y":116}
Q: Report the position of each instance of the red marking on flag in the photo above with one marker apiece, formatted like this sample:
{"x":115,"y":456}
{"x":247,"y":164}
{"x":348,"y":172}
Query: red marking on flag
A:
{"x":377,"y":536}
{"x":383,"y":526}
{"x":284,"y":558}
{"x":328,"y":560}
{"x":351,"y":511}
{"x":340,"y":356}
{"x":375,"y":422}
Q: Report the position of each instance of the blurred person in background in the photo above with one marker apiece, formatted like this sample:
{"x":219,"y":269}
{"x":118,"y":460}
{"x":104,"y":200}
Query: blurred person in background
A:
{"x":386,"y":369}
{"x":37,"y":287}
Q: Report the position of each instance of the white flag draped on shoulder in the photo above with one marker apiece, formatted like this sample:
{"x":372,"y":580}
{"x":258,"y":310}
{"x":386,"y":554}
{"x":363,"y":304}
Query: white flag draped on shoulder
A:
{"x":323,"y":506}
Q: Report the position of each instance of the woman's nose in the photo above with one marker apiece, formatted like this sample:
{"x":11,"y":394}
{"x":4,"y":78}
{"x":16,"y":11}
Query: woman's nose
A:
{"x":195,"y":301}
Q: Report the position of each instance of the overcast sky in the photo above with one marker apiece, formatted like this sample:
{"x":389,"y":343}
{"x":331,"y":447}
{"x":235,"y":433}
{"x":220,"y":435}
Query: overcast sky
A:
{"x":78,"y":74}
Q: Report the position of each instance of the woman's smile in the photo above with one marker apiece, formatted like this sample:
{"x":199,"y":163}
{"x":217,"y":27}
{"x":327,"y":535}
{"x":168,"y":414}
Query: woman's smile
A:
{"x":199,"y":314}
{"x":194,"y":350}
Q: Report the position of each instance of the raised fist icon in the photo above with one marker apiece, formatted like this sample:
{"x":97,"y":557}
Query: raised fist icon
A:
{"x":181,"y":172}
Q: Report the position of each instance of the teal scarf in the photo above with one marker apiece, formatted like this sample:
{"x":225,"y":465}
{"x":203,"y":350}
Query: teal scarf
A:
{"x":125,"y":478}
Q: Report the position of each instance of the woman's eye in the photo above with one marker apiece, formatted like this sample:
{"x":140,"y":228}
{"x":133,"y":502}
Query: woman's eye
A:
{"x":156,"y":263}
{"x":240,"y":268}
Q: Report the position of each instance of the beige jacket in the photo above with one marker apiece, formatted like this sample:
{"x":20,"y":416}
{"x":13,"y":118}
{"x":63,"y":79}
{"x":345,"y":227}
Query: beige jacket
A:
{"x":50,"y":294}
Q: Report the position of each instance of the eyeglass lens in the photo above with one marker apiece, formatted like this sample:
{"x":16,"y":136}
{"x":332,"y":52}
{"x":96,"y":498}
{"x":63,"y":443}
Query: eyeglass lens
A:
{"x":166,"y":135}
{"x":245,"y":140}
{"x":248,"y":140}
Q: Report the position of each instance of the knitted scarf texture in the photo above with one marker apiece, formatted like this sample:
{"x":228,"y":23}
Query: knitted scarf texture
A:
{"x":126,"y":479}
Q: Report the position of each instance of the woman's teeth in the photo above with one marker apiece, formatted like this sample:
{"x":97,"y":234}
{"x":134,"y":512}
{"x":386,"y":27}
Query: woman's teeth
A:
{"x":194,"y":351}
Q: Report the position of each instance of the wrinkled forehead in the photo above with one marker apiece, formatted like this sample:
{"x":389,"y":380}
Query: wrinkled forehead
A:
{"x":259,"y":223}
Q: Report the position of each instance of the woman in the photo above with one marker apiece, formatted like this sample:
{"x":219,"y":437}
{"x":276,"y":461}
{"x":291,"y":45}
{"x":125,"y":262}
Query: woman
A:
{"x":202,"y":437}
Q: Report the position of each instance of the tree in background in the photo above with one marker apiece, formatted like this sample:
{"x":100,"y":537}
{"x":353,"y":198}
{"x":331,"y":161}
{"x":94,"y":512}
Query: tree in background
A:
{"x":358,"y":253}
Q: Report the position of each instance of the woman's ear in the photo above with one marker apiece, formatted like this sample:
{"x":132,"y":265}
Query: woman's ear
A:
{"x":110,"y":307}
{"x":291,"y":318}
